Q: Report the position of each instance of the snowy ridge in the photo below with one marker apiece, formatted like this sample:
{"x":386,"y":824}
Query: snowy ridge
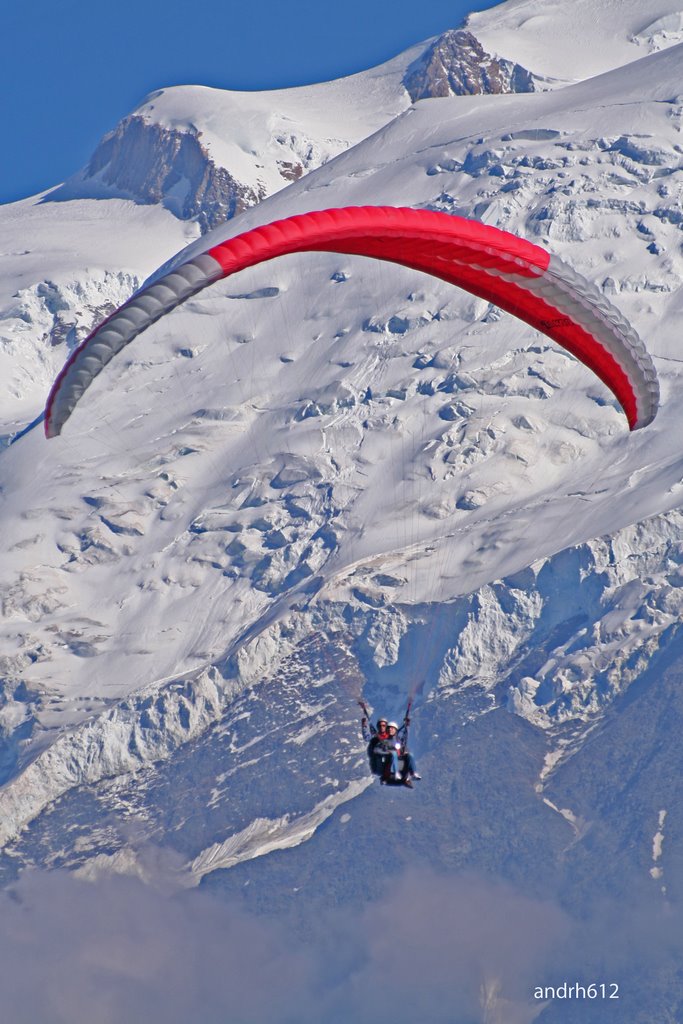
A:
{"x":188,"y":149}
{"x":263,"y":836}
{"x":137,"y":732}
{"x":131,"y":736}
{"x":208,"y":154}
{"x":595,"y":38}
{"x":598,"y":612}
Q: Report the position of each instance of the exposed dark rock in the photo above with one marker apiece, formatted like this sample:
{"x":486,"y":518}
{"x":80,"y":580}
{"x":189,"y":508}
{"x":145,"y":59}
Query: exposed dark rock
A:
{"x":456,"y":64}
{"x":289,"y":170}
{"x":162,"y":165}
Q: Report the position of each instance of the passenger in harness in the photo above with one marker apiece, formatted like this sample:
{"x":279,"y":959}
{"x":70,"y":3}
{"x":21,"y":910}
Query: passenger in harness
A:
{"x":387,"y":751}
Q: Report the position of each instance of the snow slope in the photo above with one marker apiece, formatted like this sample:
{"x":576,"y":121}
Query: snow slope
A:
{"x":569,"y":42}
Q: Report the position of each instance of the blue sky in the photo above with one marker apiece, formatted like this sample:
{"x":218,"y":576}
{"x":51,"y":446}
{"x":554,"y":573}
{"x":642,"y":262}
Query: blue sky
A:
{"x":71,"y":68}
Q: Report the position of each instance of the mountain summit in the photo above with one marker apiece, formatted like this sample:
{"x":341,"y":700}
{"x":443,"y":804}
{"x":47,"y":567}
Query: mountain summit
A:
{"x":186,"y":147}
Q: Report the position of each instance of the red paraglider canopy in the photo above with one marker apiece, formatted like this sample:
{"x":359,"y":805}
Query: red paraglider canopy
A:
{"x":516,"y":275}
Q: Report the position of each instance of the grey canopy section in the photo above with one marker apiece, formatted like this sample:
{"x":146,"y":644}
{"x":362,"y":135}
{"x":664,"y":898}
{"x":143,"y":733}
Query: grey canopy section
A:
{"x":136,"y":315}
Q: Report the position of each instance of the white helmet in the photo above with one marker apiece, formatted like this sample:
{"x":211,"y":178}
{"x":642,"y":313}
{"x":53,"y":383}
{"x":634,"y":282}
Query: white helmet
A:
{"x":392,"y":725}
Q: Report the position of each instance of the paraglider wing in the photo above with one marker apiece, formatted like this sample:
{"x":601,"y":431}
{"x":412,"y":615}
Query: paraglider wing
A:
{"x":516,"y":275}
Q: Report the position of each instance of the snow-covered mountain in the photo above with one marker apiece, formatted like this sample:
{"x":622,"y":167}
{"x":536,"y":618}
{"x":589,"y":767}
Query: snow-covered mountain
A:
{"x":208,"y":154}
{"x":329,"y":478}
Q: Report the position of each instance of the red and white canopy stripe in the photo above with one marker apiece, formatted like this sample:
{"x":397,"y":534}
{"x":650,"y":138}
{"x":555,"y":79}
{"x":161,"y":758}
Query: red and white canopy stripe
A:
{"x":516,"y":275}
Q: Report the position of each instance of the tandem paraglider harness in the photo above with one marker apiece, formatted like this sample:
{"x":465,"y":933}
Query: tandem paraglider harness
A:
{"x":389,"y":757}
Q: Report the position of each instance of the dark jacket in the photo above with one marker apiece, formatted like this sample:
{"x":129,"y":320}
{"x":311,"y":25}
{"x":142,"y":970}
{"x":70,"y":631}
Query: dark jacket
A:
{"x":379,"y":744}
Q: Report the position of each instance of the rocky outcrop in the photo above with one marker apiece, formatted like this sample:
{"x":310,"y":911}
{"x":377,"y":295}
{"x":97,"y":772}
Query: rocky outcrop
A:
{"x":155,"y":164}
{"x":456,"y":64}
